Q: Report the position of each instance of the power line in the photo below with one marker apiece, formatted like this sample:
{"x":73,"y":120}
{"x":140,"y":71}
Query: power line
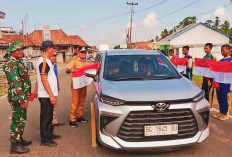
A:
{"x":150,"y":7}
{"x":119,"y":15}
{"x":178,"y":10}
{"x":115,"y":16}
{"x":157,"y":5}
{"x":201,"y":14}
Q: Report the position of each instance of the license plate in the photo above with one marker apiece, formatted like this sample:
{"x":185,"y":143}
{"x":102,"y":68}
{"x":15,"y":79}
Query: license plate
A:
{"x":157,"y":130}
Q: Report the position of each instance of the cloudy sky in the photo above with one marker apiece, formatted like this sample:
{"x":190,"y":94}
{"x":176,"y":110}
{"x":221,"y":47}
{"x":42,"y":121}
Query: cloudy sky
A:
{"x":105,"y":21}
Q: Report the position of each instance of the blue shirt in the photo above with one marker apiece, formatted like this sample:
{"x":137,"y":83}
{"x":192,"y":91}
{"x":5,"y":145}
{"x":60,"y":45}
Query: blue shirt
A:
{"x":229,"y":59}
{"x":55,"y":69}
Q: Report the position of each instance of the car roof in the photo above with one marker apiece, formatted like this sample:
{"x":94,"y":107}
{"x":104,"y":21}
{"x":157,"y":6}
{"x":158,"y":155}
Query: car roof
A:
{"x":132,"y":52}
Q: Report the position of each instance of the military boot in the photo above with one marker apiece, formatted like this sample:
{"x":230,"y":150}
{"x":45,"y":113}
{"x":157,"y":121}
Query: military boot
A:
{"x":17,"y":148}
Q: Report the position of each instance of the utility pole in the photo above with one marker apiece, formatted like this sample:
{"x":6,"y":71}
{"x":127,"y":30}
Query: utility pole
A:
{"x":132,"y":11}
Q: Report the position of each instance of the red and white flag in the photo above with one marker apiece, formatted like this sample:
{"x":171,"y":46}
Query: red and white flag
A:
{"x":180,"y":63}
{"x":79,"y":78}
{"x":201,"y":67}
{"x":222,"y":72}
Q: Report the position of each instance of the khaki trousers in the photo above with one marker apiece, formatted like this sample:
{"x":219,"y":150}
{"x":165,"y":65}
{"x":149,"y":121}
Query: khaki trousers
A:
{"x":78,"y":101}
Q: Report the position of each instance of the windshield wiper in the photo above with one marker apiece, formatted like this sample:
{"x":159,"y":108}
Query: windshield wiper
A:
{"x":129,"y":78}
{"x":170,"y":77}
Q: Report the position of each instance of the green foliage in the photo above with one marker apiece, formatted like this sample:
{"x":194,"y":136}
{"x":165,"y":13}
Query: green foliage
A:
{"x":225,"y":27}
{"x":209,"y":22}
{"x":117,"y":47}
{"x":216,"y":22}
{"x":186,"y":21}
{"x":164,"y":33}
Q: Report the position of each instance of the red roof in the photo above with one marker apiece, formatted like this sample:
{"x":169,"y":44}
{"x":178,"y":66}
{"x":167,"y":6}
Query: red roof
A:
{"x":9,"y":38}
{"x":36,"y":38}
{"x":57,"y":36}
{"x":76,"y":40}
{"x":142,"y":45}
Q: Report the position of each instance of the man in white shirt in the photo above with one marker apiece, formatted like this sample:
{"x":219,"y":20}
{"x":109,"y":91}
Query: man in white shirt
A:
{"x":47,"y":92}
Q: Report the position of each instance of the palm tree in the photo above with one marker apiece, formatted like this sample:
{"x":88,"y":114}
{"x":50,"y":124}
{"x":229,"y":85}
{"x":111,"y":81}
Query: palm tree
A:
{"x":216,"y":23}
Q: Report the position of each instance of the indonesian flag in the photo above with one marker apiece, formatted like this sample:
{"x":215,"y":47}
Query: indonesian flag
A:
{"x":79,"y":78}
{"x":180,"y":63}
{"x":201,"y":67}
{"x":221,"y":72}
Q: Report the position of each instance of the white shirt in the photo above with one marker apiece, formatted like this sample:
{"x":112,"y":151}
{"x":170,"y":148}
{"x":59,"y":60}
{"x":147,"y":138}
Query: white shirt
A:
{"x":52,"y":80}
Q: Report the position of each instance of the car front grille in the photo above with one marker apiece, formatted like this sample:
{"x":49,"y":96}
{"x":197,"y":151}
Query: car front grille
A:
{"x":132,"y":129}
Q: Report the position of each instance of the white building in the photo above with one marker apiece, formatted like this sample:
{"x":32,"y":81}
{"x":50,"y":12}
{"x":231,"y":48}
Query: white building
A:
{"x":195,"y":36}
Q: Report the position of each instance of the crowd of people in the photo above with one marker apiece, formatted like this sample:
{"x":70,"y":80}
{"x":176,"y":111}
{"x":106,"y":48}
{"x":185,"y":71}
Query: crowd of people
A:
{"x":46,"y":89}
{"x":207,"y":83}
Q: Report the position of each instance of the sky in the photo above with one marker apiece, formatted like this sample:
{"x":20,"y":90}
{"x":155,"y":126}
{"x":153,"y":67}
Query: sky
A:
{"x":106,"y":21}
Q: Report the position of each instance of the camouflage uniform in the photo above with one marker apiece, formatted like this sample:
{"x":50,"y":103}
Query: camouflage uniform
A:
{"x":18,"y":94}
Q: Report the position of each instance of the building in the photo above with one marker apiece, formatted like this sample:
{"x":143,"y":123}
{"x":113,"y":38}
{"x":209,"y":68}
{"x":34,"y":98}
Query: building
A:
{"x":147,"y":45}
{"x":68,"y":45}
{"x":195,"y":36}
{"x":8,"y":38}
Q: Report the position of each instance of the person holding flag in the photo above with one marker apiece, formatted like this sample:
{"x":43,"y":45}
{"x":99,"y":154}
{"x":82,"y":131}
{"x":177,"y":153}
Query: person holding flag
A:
{"x":185,"y":51}
{"x":224,"y":88}
{"x":78,"y":94}
{"x":208,"y":82}
{"x":172,"y":54}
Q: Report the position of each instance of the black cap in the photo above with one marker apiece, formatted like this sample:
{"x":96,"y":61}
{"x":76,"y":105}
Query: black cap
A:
{"x":47,"y":44}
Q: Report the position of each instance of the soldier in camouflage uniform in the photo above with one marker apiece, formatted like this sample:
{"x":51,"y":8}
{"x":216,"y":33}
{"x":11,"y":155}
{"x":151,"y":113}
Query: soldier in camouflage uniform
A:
{"x":18,"y":93}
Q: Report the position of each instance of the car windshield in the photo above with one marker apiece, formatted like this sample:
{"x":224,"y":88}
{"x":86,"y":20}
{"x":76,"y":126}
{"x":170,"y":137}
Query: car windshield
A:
{"x":138,"y":67}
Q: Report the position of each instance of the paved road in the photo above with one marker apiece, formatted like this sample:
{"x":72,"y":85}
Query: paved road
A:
{"x":77,"y":141}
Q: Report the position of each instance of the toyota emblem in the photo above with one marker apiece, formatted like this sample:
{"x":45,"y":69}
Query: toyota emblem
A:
{"x":160,"y":106}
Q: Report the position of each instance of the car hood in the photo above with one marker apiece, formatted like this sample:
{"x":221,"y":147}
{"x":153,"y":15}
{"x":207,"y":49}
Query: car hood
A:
{"x":150,"y":90}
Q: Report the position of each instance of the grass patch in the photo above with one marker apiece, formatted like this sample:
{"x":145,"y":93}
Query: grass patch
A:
{"x":197,"y":79}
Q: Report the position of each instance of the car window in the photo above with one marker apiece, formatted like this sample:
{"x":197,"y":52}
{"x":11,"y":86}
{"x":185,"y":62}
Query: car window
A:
{"x":120,"y":67}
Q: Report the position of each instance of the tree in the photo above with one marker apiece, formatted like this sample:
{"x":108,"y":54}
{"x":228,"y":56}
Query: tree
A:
{"x":164,"y":33}
{"x":216,"y":22}
{"x":187,"y":21}
{"x":209,"y":22}
{"x":225,"y":27}
{"x":117,"y":47}
{"x":156,"y":38}
{"x":230,"y":33}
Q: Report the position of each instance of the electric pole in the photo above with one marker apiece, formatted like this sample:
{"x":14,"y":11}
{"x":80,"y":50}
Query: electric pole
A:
{"x":132,"y":12}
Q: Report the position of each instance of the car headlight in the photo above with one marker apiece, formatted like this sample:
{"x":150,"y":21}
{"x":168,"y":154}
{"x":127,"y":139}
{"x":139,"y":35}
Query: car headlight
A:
{"x":199,"y":96}
{"x":110,"y":100}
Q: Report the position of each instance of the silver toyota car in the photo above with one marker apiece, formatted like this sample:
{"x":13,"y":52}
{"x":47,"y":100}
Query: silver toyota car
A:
{"x":143,"y":102}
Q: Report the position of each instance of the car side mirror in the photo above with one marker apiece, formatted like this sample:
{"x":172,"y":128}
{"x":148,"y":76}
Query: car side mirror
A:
{"x":91,"y":73}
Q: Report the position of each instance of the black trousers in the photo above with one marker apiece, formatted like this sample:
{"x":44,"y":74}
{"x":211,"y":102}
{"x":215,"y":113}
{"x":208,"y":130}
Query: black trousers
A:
{"x":46,"y":115}
{"x":206,"y":87}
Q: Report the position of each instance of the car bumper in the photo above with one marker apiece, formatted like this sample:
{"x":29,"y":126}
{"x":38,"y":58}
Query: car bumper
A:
{"x":107,"y":135}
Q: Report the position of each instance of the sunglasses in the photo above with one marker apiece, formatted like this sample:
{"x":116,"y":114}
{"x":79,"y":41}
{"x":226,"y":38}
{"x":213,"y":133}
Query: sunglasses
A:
{"x":83,"y":52}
